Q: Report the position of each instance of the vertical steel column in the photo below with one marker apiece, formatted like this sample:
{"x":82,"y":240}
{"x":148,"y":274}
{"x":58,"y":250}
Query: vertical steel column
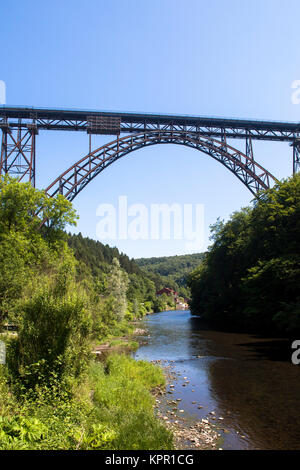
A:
{"x":18,"y":151}
{"x":224,"y":142}
{"x":296,"y":156}
{"x":3,"y":161}
{"x":223,"y":139}
{"x":249,"y":152}
{"x":249,"y":147}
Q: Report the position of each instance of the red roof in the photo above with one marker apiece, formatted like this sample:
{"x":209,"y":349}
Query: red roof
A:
{"x":167,"y":291}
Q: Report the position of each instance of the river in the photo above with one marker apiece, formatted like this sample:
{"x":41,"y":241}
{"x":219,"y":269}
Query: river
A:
{"x":246,"y":385}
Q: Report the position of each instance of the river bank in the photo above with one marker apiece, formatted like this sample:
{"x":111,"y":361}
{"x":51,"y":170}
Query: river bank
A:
{"x":188,"y":433}
{"x":118,"y":344}
{"x":112,"y":408}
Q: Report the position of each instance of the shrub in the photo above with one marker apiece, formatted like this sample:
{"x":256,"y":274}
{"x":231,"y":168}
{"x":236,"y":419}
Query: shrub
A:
{"x":52,"y":340}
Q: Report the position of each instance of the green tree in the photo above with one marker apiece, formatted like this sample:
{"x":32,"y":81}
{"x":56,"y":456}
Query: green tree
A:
{"x":26,"y":251}
{"x":117,"y":285}
{"x":23,"y":208}
{"x":250,"y":275}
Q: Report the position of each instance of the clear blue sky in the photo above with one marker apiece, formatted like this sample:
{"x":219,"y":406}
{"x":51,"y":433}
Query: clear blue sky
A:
{"x":222,"y":58}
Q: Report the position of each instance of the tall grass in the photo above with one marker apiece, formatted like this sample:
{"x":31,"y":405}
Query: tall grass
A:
{"x":121,"y":395}
{"x":111,"y":409}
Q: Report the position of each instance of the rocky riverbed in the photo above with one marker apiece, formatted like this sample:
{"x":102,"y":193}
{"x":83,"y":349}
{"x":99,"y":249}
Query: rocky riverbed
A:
{"x":189,"y":433}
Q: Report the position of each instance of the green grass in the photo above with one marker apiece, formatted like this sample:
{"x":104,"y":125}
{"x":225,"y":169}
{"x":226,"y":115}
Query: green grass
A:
{"x":124,"y":344}
{"x":111,"y":409}
{"x":116,"y":333}
{"x":121,"y":394}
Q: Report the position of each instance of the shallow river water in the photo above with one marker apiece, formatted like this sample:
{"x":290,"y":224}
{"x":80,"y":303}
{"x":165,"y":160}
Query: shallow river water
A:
{"x":246,"y":380}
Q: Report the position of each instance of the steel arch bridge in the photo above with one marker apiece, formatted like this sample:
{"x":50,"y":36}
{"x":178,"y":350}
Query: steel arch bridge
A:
{"x":20,"y":126}
{"x":73,"y":180}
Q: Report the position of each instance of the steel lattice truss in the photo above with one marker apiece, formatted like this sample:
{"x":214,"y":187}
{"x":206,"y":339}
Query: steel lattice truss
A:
{"x":73,"y":180}
{"x":20,"y":126}
{"x":55,"y":119}
{"x":18,"y":153}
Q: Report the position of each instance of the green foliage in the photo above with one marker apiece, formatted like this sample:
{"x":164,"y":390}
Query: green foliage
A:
{"x":101,"y":437}
{"x":111,"y":409}
{"x":13,"y":272}
{"x":25,"y":251}
{"x":95,"y":261}
{"x":117,"y":284}
{"x":52,"y":338}
{"x":121,"y":391}
{"x":97,"y":257}
{"x":250,"y":275}
{"x":23,"y":208}
{"x":17,"y":432}
{"x":171,"y":271}
{"x":146,"y":275}
{"x":163,"y":302}
{"x":50,"y":398}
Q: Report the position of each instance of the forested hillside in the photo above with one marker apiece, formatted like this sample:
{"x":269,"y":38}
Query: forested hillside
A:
{"x":250,"y":277}
{"x":174,"y":270}
{"x":95,"y":255}
{"x":94,"y":261}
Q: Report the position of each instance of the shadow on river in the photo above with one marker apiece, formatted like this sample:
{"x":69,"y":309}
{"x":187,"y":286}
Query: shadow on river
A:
{"x":248,"y":381}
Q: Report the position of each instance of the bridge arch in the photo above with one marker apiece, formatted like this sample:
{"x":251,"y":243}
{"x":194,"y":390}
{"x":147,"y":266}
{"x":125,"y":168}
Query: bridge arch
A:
{"x":75,"y":178}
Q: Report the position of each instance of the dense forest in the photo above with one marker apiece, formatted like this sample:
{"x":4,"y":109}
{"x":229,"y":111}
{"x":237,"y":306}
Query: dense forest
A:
{"x":97,"y":256}
{"x":53,"y":394}
{"x":94,"y":261}
{"x":174,"y":270}
{"x":250,"y":276}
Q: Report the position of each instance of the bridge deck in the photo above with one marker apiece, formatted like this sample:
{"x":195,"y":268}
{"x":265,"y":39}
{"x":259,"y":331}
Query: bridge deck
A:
{"x":79,"y":120}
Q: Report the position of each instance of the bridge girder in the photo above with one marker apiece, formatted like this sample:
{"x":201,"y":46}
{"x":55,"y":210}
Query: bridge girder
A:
{"x":90,"y":121}
{"x":20,"y":125}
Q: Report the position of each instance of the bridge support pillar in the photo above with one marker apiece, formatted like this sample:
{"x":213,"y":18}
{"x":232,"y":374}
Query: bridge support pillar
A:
{"x":296,"y":156}
{"x":249,"y":146}
{"x":18,"y":150}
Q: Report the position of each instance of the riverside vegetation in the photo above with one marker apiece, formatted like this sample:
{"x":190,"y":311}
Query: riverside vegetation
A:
{"x":53,"y":394}
{"x":172,"y":270}
{"x":249,"y":278}
{"x":66,"y":293}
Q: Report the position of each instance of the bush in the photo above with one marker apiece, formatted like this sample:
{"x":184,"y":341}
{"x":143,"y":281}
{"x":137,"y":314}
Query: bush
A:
{"x":52,"y":340}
